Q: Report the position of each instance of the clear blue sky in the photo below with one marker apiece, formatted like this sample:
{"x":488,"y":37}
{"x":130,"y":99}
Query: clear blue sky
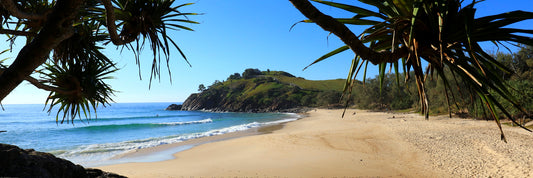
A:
{"x":234,"y":35}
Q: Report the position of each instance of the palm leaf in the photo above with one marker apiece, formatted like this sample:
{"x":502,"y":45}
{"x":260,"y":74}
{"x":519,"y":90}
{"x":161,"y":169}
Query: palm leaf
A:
{"x":445,"y":35}
{"x":354,"y":9}
{"x":150,"y":21}
{"x":332,"y":53}
{"x":351,"y":74}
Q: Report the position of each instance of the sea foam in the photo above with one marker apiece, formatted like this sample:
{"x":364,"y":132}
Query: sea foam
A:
{"x":188,"y":122}
{"x":90,"y":155}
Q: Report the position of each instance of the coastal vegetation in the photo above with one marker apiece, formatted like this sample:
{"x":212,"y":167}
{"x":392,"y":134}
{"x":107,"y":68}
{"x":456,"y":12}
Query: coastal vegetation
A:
{"x":64,"y":43}
{"x":265,"y":91}
{"x":446,"y":34}
{"x":397,"y":96}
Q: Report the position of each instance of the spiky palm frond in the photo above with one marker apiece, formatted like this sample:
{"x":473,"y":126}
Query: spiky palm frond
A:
{"x":151,"y":20}
{"x":445,"y":35}
{"x":82,"y":45}
{"x":78,"y":71}
{"x":2,"y":60}
{"x":32,"y":25}
{"x":79,"y":87}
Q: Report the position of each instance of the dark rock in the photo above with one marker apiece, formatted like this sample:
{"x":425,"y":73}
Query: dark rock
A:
{"x":216,"y":101}
{"x":173,"y":107}
{"x":97,"y":173}
{"x":17,"y":162}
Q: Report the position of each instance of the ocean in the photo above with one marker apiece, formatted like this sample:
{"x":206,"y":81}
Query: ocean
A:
{"x":120,"y":128}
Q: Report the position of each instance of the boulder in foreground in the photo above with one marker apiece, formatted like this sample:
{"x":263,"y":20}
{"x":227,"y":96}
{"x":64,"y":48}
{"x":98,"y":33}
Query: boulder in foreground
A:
{"x":17,"y":162}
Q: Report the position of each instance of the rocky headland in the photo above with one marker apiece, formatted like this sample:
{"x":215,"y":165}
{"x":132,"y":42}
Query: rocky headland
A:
{"x":174,"y":107}
{"x":263,"y":91}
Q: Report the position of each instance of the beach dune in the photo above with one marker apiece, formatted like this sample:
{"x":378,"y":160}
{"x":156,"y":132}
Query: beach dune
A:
{"x":367,"y":144}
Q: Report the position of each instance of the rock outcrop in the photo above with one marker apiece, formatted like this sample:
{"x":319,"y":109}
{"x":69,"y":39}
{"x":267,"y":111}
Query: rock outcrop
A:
{"x":263,"y":94}
{"x":219,"y":103}
{"x":173,"y":107}
{"x":17,"y":162}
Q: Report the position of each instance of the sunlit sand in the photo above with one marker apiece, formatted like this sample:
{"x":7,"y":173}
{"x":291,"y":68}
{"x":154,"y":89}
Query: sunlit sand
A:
{"x":362,"y":143}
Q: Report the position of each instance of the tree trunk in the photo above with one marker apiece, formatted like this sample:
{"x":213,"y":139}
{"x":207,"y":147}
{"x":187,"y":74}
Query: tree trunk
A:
{"x":57,"y":28}
{"x":340,"y":30}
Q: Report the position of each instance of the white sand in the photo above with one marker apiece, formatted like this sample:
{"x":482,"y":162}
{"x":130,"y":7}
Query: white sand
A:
{"x":365,"y":144}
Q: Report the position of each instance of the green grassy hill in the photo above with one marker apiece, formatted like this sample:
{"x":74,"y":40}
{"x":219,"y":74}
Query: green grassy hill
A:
{"x":257,"y":91}
{"x":320,"y":85}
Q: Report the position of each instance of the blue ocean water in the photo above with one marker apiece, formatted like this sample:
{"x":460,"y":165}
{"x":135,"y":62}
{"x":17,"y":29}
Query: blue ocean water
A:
{"x":119,"y":128}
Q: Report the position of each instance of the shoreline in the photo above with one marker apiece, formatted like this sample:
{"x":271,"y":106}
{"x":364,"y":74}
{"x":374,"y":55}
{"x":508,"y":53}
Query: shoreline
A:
{"x":167,"y":151}
{"x":367,"y":144}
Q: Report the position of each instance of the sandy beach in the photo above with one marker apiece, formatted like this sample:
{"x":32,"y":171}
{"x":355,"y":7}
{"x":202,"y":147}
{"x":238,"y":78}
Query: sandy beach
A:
{"x":362,"y":144}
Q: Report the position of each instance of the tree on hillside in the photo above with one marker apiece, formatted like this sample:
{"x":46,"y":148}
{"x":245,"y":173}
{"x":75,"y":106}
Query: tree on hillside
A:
{"x":444,"y":33}
{"x":201,"y":88}
{"x":235,"y":76}
{"x":250,"y":73}
{"x":64,"y":39}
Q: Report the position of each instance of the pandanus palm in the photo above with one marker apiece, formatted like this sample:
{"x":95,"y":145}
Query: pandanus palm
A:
{"x":443,"y":33}
{"x":30,"y":25}
{"x":142,"y":19}
{"x":88,"y":67}
{"x":76,"y":72}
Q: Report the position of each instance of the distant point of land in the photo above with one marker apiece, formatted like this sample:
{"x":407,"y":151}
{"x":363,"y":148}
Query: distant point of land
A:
{"x":264,"y":91}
